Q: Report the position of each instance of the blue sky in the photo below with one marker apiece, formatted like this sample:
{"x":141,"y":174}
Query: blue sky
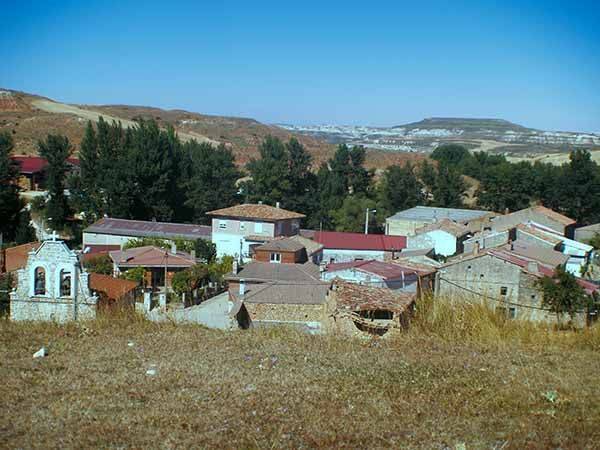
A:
{"x":536,"y":63}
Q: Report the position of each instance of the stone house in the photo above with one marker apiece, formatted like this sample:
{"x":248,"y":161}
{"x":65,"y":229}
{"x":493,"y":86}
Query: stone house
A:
{"x":486,"y":239}
{"x":52,"y":287}
{"x":405,"y":223}
{"x":156,"y":261}
{"x":445,"y":236}
{"x":235,"y":230}
{"x":281,"y":294}
{"x":541,"y":215}
{"x":503,"y":279}
{"x":343,"y":247}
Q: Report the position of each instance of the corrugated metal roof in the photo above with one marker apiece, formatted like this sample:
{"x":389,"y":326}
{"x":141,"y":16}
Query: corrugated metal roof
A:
{"x":431,"y":214}
{"x":141,"y":228}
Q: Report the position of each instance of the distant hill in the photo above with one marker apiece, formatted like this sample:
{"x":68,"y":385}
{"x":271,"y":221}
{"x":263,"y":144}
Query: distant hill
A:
{"x":31,"y":117}
{"x":465,"y":124}
{"x":497,"y":135}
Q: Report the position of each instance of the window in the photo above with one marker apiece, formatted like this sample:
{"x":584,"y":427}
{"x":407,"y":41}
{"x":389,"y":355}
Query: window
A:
{"x":503,"y":290}
{"x":469,"y":268}
{"x":258,"y":227}
{"x":275,"y":257}
{"x":512,"y":313}
{"x":242,"y":226}
{"x":40,"y":281}
{"x":480,"y":275}
{"x":222,"y":224}
{"x":65,"y":283}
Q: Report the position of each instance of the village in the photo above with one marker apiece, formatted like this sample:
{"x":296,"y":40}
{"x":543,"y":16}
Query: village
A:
{"x":273,"y":272}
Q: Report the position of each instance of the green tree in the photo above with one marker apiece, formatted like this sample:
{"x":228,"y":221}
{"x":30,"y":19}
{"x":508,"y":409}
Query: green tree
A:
{"x":507,"y":187}
{"x":351,"y":215}
{"x":302,"y":181}
{"x":449,"y":188}
{"x":270,"y":174}
{"x":562,"y":294}
{"x":206,"y":250}
{"x":451,"y":155}
{"x":102,"y":264}
{"x":399,"y":189}
{"x":25,"y":232}
{"x":56,"y":149}
{"x":85,"y":187}
{"x":579,"y":188}
{"x":10,"y":203}
{"x":210,"y":180}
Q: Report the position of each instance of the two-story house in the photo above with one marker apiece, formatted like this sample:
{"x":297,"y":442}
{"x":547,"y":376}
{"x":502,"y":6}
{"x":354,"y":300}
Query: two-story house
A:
{"x":235,"y":230}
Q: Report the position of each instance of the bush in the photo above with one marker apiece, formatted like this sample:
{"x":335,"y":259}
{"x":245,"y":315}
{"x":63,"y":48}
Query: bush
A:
{"x":99,"y":264}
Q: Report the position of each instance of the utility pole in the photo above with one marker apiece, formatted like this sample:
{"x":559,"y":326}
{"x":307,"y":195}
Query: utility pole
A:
{"x":367,"y":219}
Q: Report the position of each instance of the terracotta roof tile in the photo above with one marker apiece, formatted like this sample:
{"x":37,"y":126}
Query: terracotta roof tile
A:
{"x":354,"y":297}
{"x":113,"y":288}
{"x":16,"y":257}
{"x":256,"y":211}
{"x":554,"y":215}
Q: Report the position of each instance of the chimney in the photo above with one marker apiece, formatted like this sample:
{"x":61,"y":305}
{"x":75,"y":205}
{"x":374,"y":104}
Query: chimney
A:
{"x":173,"y":248}
{"x":260,"y":202}
{"x":476,"y":247}
{"x":532,"y":266}
{"x":193,"y":253}
{"x":234,"y":267}
{"x":277,"y":205}
{"x":242,"y":287}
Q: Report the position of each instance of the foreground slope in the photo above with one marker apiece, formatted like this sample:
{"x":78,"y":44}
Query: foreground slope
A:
{"x":272,"y":389}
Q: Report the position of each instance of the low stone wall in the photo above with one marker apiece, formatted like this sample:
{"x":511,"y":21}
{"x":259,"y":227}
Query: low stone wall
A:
{"x":285,"y":312}
{"x":50,"y":310}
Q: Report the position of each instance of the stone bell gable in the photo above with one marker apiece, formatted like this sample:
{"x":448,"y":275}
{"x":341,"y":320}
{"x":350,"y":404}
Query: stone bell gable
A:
{"x":52,"y":287}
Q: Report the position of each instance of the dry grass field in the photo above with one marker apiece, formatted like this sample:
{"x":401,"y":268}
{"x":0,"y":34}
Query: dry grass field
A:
{"x":459,"y":378}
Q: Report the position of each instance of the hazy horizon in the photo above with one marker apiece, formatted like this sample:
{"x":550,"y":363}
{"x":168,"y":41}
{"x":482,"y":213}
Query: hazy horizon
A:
{"x":532,"y":63}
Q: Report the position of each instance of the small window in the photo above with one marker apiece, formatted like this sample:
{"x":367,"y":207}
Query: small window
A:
{"x":40,"y":281}
{"x":65,"y":283}
{"x":242,"y":226}
{"x":222,"y":224}
{"x":275,"y":257}
{"x":532,"y":296}
{"x":512,"y":313}
{"x":480,"y":275}
{"x":469,"y":268}
{"x":503,"y":290}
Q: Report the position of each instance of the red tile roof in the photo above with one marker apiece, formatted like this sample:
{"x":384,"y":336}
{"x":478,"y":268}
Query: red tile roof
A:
{"x":16,"y":257}
{"x":113,"y":288}
{"x":34,"y":164}
{"x":358,"y":241}
{"x":256,"y":211}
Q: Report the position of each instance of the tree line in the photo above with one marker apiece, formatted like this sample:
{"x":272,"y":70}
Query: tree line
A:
{"x":145,"y":172}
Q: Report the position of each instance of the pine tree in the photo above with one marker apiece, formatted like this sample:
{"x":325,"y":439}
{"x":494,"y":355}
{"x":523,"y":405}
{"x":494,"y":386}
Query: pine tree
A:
{"x":399,"y":189}
{"x":303,"y":183}
{"x":10,"y":203}
{"x":270,"y":174}
{"x":211,"y":178}
{"x":56,"y":149}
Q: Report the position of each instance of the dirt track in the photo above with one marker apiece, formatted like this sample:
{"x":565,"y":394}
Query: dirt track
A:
{"x":87,"y":114}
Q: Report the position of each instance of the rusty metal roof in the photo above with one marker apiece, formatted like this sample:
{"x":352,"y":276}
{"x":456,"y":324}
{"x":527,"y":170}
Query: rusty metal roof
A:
{"x":141,"y":228}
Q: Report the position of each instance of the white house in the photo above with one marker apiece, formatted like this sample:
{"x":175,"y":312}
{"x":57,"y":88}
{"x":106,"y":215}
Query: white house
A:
{"x":236,"y":229}
{"x":445,"y":236}
{"x":52,"y":287}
